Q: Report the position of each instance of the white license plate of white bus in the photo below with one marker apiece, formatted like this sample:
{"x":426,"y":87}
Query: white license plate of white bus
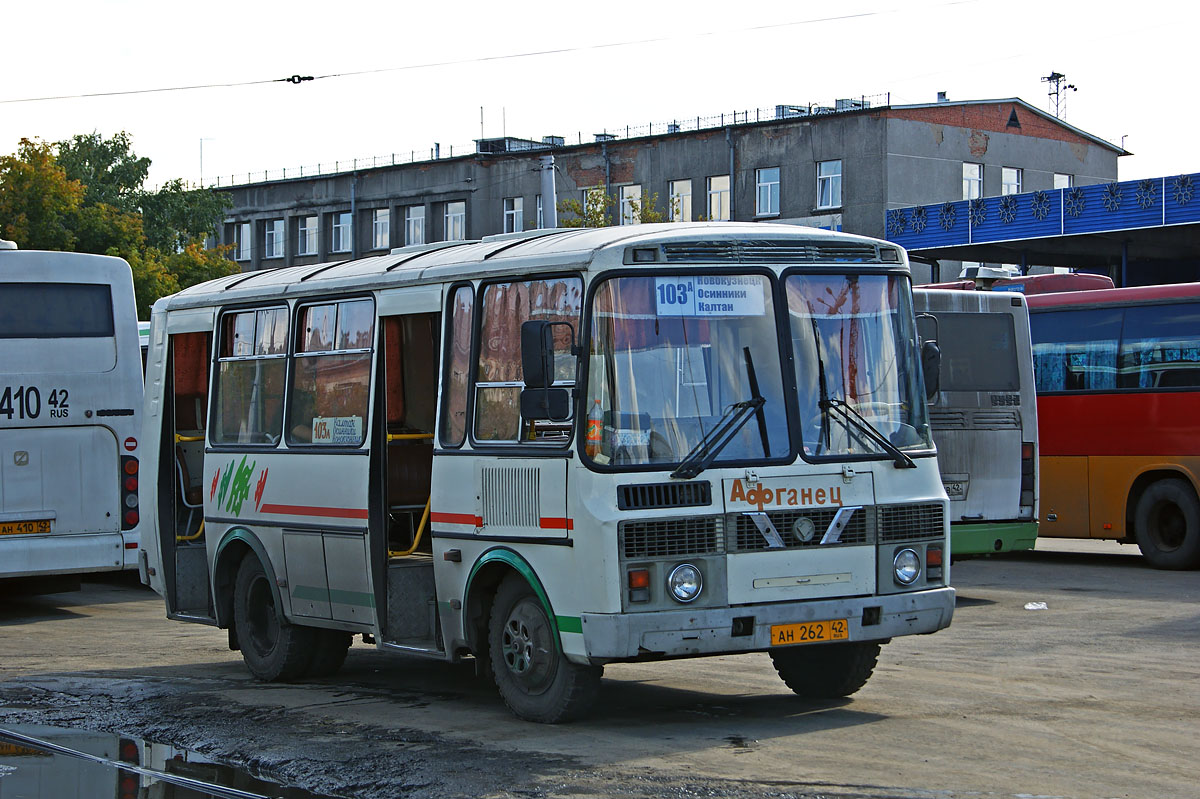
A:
{"x":34,"y":527}
{"x":809,"y":632}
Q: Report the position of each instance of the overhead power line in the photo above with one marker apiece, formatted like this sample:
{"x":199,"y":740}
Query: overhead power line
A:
{"x":298,"y":79}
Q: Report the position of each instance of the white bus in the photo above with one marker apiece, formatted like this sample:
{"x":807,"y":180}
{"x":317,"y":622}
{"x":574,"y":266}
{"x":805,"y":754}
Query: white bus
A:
{"x":984,"y":416}
{"x":553,"y":450}
{"x":70,"y":416}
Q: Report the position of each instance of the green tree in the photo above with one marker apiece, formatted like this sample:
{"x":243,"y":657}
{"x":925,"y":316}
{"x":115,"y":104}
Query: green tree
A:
{"x":175,"y":216}
{"x":38,"y":201}
{"x":596,"y":209}
{"x":108,"y":168}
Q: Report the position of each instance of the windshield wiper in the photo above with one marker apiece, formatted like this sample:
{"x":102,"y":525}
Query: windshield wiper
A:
{"x":731,"y":421}
{"x":850,"y":414}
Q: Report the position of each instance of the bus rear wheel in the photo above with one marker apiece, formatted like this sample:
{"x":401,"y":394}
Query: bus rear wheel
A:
{"x":535,"y":679}
{"x":1167,"y":525}
{"x":826,"y":671}
{"x":273,"y":648}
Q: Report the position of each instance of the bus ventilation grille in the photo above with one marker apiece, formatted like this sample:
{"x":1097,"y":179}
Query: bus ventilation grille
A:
{"x":661,"y":538}
{"x":664,"y":495}
{"x":910,"y":522}
{"x":769,"y":251}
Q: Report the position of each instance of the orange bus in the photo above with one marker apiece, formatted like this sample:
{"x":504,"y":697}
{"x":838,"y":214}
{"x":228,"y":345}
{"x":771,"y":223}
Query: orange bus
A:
{"x":1118,"y":396}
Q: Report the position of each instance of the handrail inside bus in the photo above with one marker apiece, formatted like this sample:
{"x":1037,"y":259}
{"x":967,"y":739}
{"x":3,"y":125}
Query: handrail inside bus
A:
{"x":403,"y":553}
{"x":185,"y":439}
{"x":199,"y":532}
{"x":409,"y":437}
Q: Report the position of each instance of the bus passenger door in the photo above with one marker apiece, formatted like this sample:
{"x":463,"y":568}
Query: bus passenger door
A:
{"x":408,"y":373}
{"x":183,"y":455}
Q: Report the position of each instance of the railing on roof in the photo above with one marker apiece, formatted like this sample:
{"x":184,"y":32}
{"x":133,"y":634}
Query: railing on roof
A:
{"x":512,"y":144}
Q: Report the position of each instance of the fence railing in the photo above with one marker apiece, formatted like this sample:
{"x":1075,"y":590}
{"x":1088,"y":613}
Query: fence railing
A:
{"x":681,"y":125}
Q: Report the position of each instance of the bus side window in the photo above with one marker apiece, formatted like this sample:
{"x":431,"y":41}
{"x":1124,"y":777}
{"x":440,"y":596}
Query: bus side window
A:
{"x":499,"y":378}
{"x":332,"y":374}
{"x":250,"y":377}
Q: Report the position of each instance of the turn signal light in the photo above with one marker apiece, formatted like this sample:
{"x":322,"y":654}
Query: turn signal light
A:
{"x":933,"y":557}
{"x":131,"y":466}
{"x":639,"y":578}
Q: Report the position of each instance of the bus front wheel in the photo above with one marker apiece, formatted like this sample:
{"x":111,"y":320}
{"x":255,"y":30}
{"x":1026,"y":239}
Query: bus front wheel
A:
{"x":826,"y":671}
{"x":1167,"y":525}
{"x":273,"y":648}
{"x":535,"y":680}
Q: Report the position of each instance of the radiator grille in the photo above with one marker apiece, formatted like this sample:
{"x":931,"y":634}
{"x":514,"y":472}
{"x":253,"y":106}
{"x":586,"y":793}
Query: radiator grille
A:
{"x":947,"y":420}
{"x":670,"y":537}
{"x":909,"y":522}
{"x":511,"y":497}
{"x":997,"y":420}
{"x":664,"y":495}
{"x":742,"y":533}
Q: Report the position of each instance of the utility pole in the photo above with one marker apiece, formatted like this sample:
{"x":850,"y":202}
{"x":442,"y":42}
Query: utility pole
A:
{"x":1056,"y":88}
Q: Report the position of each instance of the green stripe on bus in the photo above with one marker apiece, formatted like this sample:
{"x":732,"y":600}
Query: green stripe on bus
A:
{"x":570,"y":624}
{"x":314,"y":594}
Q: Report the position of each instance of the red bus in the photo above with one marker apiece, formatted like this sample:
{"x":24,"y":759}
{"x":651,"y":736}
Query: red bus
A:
{"x":1118,"y":395}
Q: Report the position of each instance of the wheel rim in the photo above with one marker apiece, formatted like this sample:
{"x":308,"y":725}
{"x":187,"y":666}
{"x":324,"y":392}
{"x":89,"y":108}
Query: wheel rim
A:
{"x":261,"y":615}
{"x":527,"y":646}
{"x":1168,"y":526}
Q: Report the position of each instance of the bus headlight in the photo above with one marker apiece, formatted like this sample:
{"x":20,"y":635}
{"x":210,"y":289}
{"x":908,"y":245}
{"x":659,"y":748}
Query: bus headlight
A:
{"x":907,"y":566}
{"x":685,"y":582}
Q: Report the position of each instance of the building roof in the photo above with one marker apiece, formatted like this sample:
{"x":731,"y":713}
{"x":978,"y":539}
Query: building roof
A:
{"x":959,"y":113}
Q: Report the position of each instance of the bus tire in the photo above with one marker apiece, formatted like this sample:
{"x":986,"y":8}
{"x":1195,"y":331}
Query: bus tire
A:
{"x":274,"y":649}
{"x":535,"y":680}
{"x":1167,"y":525}
{"x":329,"y":652}
{"x":826,"y":671}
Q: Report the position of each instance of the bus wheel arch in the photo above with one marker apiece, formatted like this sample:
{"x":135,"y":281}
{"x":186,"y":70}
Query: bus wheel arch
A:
{"x":1163,"y":514}
{"x":233,"y":549}
{"x":482,"y":585}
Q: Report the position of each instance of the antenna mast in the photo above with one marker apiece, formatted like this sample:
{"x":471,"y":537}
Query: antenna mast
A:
{"x":1056,"y":88}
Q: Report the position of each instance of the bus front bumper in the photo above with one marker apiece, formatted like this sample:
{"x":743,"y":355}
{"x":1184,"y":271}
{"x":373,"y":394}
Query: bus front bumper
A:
{"x":711,"y":631}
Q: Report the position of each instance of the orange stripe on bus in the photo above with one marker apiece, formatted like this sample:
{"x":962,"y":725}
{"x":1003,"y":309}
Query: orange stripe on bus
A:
{"x":456,"y":518}
{"x":311,"y":510}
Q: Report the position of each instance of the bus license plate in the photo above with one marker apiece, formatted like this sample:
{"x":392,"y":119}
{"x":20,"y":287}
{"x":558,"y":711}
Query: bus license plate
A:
{"x":25,"y":528}
{"x":809,"y":632}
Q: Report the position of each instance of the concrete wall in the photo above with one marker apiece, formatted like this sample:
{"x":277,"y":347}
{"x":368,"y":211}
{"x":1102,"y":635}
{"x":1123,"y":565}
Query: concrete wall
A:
{"x":891,"y":157}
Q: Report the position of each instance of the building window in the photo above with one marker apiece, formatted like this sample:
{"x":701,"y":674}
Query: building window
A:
{"x":514,"y":214}
{"x":381,"y":229}
{"x":273,"y":239}
{"x":972,"y":181}
{"x":341,"y":232}
{"x":829,"y":184}
{"x":681,"y":200}
{"x":767,"y":183}
{"x":306,"y":244}
{"x":414,"y":225}
{"x":1062,"y":181}
{"x":631,"y":204}
{"x":718,"y":198}
{"x":456,"y":221}
{"x":541,"y":219}
{"x":1010,"y":180}
{"x":241,"y":240}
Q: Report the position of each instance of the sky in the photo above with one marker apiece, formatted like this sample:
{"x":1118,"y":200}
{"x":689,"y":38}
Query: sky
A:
{"x":398,"y":77}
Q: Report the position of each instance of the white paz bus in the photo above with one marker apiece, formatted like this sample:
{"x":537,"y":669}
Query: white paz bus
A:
{"x":70,"y":417}
{"x":552,"y":451}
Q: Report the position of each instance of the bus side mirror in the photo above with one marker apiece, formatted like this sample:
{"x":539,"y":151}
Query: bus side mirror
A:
{"x":540,"y":399}
{"x":931,"y":367}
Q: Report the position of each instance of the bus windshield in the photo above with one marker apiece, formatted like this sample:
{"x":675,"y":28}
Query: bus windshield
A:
{"x":671,"y":355}
{"x":855,"y":344}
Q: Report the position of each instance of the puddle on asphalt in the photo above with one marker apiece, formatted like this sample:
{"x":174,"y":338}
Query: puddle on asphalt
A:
{"x":38,"y":762}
